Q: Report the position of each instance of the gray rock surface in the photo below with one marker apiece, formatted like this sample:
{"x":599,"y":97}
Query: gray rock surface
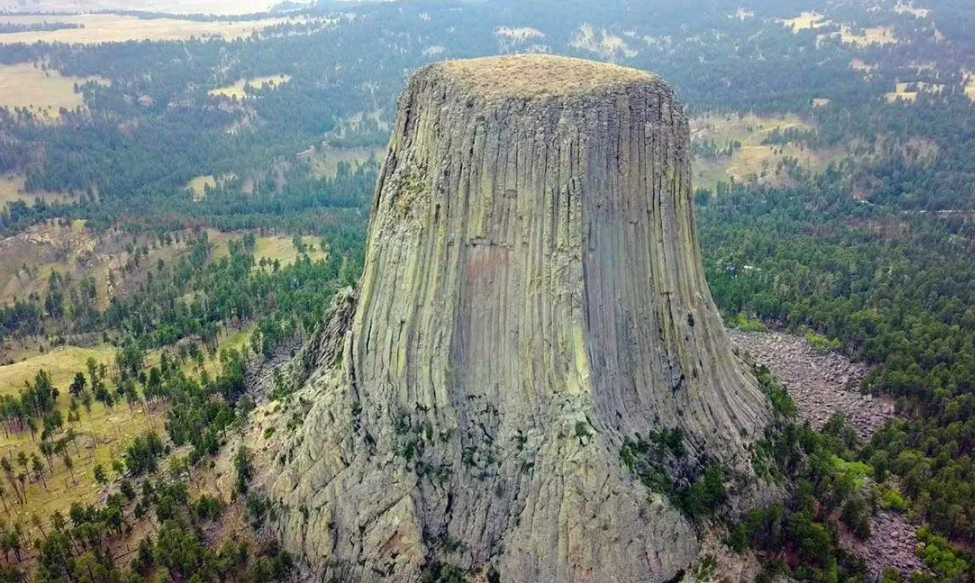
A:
{"x":532,"y":296}
{"x":822,"y":383}
{"x":893,"y":544}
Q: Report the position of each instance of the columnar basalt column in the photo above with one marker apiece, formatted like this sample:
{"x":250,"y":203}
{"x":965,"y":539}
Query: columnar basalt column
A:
{"x":532,"y":296}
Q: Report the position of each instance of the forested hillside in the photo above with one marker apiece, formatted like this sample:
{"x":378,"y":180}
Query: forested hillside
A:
{"x":179,"y":209}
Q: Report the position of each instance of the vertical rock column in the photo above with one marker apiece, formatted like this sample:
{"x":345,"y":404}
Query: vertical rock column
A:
{"x":532,"y":296}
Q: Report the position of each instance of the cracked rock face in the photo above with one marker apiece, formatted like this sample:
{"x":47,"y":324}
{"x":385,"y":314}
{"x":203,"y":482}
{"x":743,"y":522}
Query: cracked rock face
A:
{"x":532,"y":296}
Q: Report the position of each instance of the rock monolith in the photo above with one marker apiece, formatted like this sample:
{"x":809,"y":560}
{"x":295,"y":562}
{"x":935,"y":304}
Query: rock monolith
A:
{"x":532,"y":297}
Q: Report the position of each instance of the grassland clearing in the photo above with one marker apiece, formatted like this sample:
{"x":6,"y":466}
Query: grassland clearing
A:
{"x":101,"y":435}
{"x":106,"y":28}
{"x":908,"y":92}
{"x":970,"y":84}
{"x":859,"y":65}
{"x":44,"y":93}
{"x":279,"y":248}
{"x":909,"y":8}
{"x":805,"y":21}
{"x":62,"y":363}
{"x":12,"y":189}
{"x":221,"y":7}
{"x":865,"y":37}
{"x":602,"y":43}
{"x":198,"y":186}
{"x":236,"y":91}
{"x":753,"y":160}
{"x":28,"y":259}
{"x":325,"y":160}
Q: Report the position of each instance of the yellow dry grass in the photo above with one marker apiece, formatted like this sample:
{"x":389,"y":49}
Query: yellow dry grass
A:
{"x":858,"y":65}
{"x":62,"y":363}
{"x":273,"y":247}
{"x":805,"y":21}
{"x":199,"y":185}
{"x":909,"y":8}
{"x":101,"y":437}
{"x":103,"y":28}
{"x":877,"y":35}
{"x":908,"y":92}
{"x":12,"y":189}
{"x":222,"y":7}
{"x":602,"y":43}
{"x":281,"y":248}
{"x":237,"y":89}
{"x":44,"y":93}
{"x":970,"y":84}
{"x":325,"y":160}
{"x":753,"y":159}
{"x":518,"y":35}
{"x":538,"y":76}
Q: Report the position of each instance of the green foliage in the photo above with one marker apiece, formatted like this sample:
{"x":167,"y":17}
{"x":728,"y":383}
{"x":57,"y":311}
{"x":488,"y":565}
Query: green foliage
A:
{"x":208,"y":508}
{"x":891,"y":499}
{"x":827,"y":477}
{"x":195,"y":415}
{"x":746,"y":324}
{"x":704,"y":496}
{"x":848,"y":254}
{"x":443,"y":573}
{"x":782,"y":404}
{"x":821,"y":344}
{"x":661,"y":465}
{"x":258,"y":507}
{"x":141,"y":455}
{"x":856,"y":516}
{"x":244,"y":469}
{"x":902,"y":304}
{"x":949,"y":564}
{"x":583,"y":434}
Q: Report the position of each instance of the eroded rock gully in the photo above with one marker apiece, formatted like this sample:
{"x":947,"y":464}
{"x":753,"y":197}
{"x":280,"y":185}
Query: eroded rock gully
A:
{"x":532,"y":295}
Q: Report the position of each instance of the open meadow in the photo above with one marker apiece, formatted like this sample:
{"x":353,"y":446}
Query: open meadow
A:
{"x":236,"y":91}
{"x":44,"y":93}
{"x":105,"y":28}
{"x":12,"y":189}
{"x":221,"y":7}
{"x":272,"y":248}
{"x":750,"y":157}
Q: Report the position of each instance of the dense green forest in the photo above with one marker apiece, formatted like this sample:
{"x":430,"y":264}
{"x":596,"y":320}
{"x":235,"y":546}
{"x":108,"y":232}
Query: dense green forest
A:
{"x":874,"y":251}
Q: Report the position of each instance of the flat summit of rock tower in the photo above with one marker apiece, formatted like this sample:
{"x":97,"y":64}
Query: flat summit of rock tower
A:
{"x":532,"y":303}
{"x":538,"y":76}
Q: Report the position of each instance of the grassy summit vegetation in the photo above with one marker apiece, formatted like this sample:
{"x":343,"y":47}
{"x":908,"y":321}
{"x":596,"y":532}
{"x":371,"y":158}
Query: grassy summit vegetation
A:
{"x":826,"y":204}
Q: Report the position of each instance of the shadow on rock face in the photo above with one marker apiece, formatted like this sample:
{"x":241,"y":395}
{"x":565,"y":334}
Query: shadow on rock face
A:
{"x":532,"y":297}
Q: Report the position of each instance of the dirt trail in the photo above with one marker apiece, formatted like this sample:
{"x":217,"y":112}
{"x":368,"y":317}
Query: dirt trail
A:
{"x":821,"y":383}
